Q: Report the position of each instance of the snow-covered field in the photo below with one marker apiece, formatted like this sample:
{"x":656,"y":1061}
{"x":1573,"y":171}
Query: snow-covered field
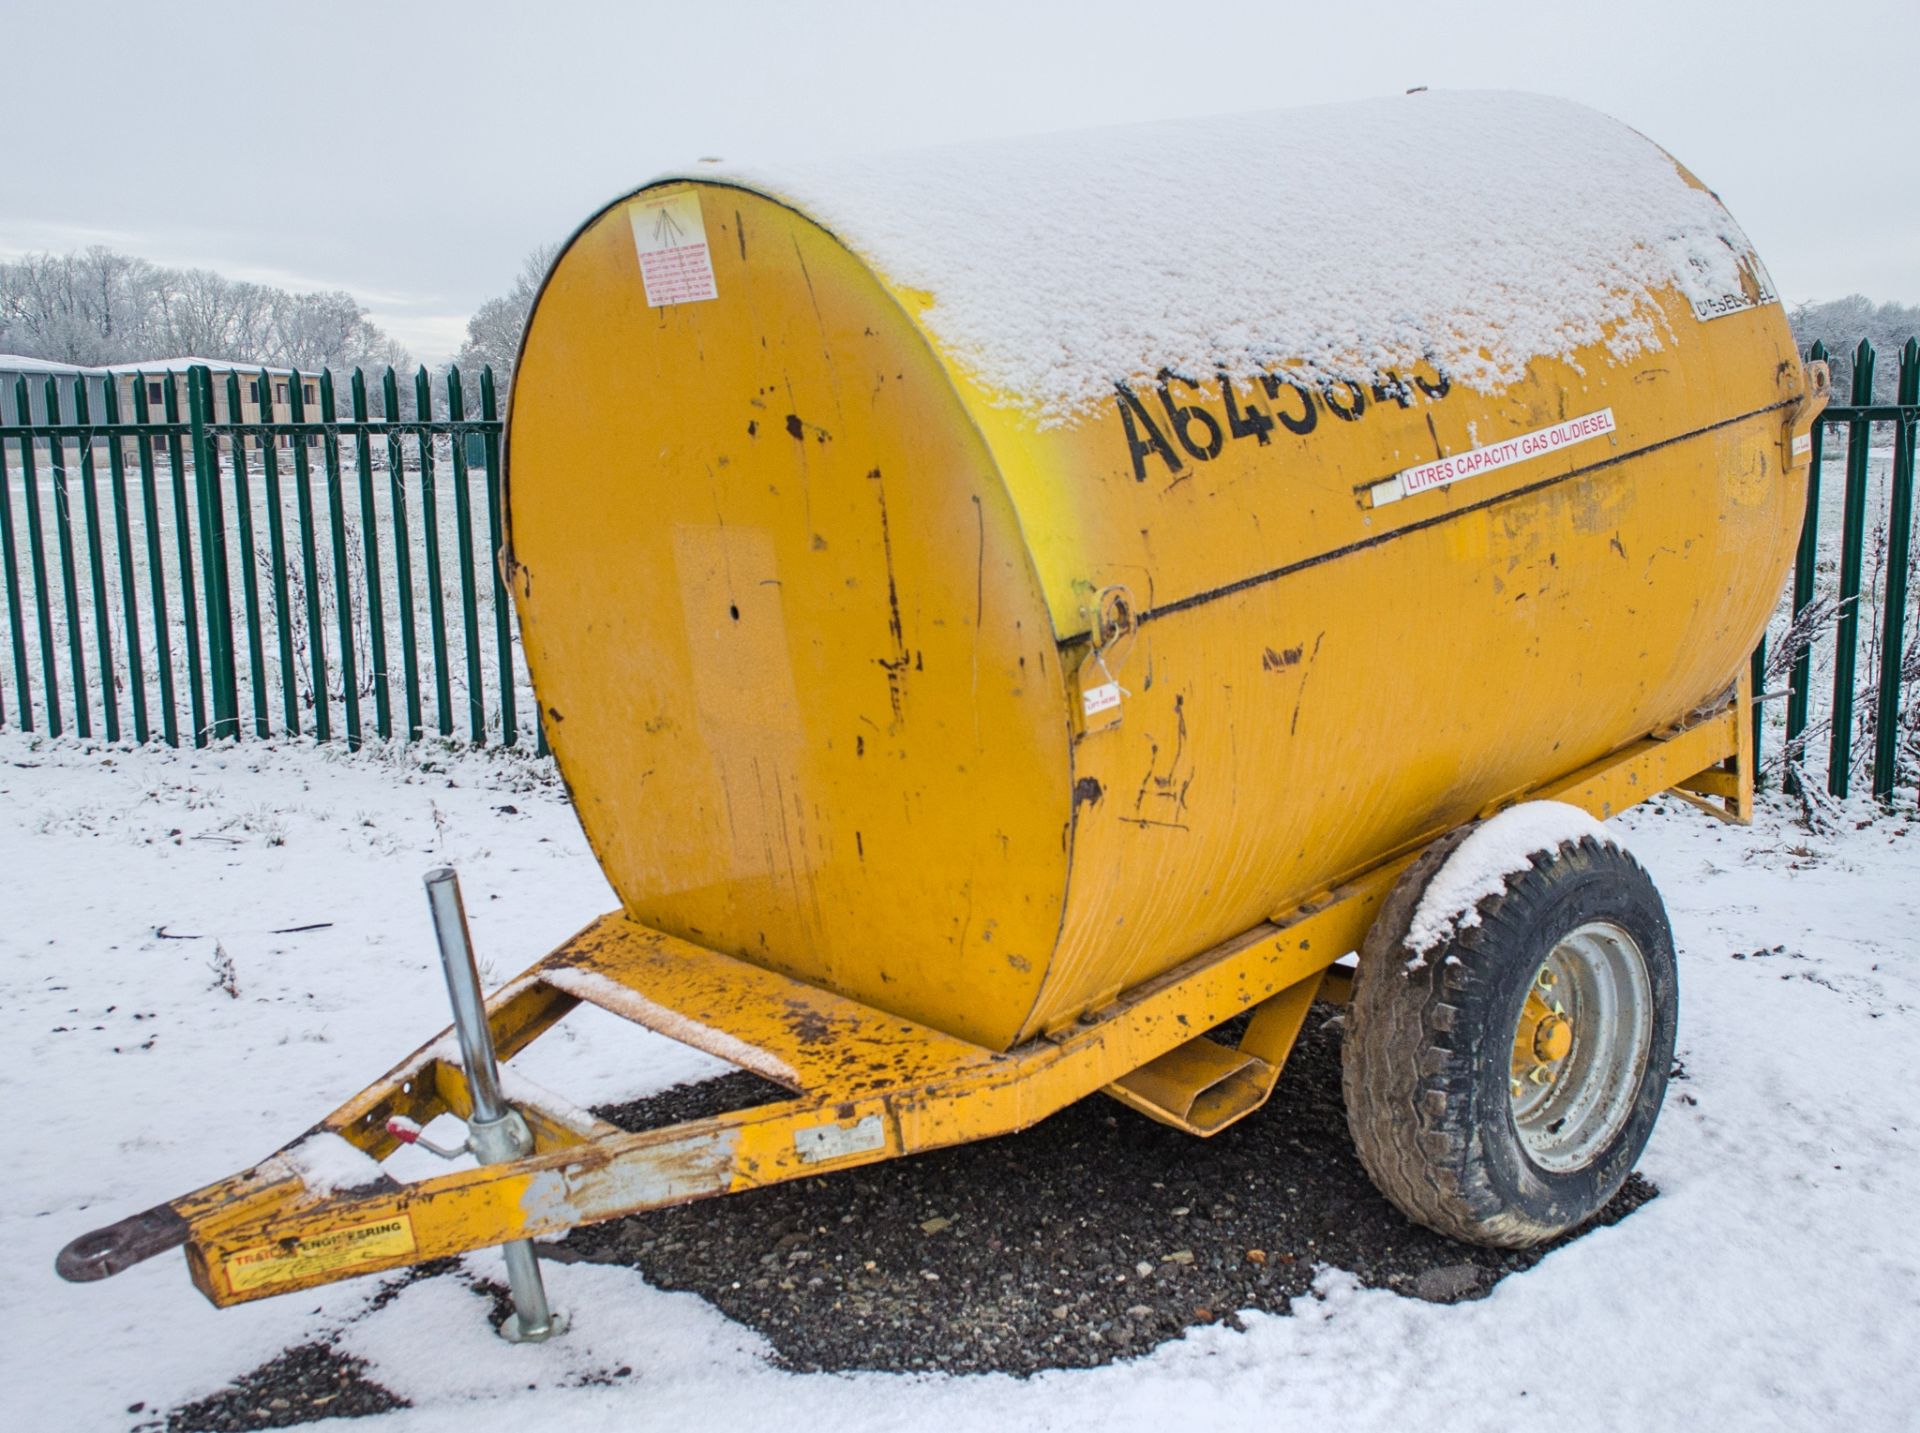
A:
{"x":1774,"y":1283}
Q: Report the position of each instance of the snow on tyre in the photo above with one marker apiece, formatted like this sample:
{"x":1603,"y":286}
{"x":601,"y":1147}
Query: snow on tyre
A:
{"x":1511,"y":1028}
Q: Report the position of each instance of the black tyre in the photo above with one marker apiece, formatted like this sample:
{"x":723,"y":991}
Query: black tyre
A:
{"x":1500,"y":1087}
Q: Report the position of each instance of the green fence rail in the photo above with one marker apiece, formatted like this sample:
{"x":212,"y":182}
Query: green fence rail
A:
{"x":236,"y":566}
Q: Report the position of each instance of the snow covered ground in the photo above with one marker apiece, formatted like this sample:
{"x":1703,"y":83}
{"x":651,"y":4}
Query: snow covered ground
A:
{"x":1774,"y":1283}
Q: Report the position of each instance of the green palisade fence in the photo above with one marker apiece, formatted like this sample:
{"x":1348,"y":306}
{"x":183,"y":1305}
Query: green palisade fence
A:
{"x":1865,"y":567}
{"x":278,"y":562}
{"x":211,"y":556}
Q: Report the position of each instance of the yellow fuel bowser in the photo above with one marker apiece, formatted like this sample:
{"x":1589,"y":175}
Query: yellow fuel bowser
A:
{"x":1003,"y":613}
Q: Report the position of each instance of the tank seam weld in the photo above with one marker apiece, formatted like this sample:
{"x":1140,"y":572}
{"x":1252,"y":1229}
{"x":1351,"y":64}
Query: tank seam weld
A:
{"x":1181,"y":604}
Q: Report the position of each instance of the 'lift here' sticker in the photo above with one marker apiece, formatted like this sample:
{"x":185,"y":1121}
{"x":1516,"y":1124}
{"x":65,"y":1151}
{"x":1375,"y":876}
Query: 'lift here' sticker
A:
{"x":1475,"y":461}
{"x":670,"y":237}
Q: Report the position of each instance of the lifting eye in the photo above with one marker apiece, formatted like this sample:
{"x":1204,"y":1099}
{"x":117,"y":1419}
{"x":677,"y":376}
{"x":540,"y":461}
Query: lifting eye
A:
{"x":1114,"y":615}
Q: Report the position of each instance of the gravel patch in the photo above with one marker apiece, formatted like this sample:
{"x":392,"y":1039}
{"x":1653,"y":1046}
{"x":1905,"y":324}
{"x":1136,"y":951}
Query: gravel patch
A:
{"x":1093,"y":1236}
{"x":302,"y":1385}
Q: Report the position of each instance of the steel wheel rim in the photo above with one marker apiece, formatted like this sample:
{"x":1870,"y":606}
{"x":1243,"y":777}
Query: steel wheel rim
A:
{"x":1569,"y":1106}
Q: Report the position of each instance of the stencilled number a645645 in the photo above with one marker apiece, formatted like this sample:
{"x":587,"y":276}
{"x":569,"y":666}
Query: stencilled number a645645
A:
{"x":1178,"y":421}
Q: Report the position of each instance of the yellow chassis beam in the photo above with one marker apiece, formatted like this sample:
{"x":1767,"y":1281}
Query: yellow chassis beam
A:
{"x":868,"y":1086}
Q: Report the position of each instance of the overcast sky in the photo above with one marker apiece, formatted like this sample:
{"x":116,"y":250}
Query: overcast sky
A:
{"x":414,"y":153}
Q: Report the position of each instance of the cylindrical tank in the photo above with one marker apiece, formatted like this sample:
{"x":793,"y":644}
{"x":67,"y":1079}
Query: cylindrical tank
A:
{"x":978,"y":580}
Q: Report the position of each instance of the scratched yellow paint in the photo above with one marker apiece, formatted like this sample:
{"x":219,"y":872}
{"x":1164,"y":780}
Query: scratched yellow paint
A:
{"x":788,"y":642}
{"x":805,"y":608}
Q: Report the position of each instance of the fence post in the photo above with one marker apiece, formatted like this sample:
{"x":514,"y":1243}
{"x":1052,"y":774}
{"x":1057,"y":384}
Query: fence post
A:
{"x":436,"y":594}
{"x":1893,"y":617}
{"x":156,"y":562}
{"x":309,"y":557}
{"x":430,"y":536}
{"x":266,"y":437}
{"x":183,"y":547}
{"x":37,"y":564}
{"x":213,"y":555}
{"x":337,"y":538}
{"x":249,"y":575}
{"x":16,"y":626}
{"x":123,"y":542}
{"x":370,"y":538}
{"x":502,"y":620}
{"x":402,"y":552}
{"x":1852,"y":539}
{"x":103,"y":664}
{"x":1799,"y":688}
{"x":63,"y":542}
{"x":463,"y":522}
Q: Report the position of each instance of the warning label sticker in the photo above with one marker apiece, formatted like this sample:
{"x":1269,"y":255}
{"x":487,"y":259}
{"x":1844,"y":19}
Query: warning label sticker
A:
{"x":670,"y":236}
{"x":296,"y":1259}
{"x":1471,"y":464}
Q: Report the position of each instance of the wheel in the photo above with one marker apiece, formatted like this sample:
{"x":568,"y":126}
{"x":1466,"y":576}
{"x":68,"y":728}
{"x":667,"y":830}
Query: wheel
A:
{"x":1501,"y":1084}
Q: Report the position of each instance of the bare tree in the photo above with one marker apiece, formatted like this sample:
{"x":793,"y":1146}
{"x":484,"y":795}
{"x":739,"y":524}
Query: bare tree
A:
{"x":493,"y":333}
{"x":96,"y":306}
{"x":200,"y":312}
{"x":1842,"y":323}
{"x":327,"y":330}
